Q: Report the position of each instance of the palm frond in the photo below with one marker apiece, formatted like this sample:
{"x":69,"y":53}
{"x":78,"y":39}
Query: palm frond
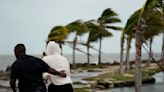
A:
{"x":77,"y":26}
{"x":114,"y":27}
{"x":132,"y":22}
{"x":108,"y":13}
{"x":112,"y":20}
{"x":58,"y":34}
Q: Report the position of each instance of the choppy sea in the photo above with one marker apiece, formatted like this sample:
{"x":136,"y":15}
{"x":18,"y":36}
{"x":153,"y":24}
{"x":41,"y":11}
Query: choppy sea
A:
{"x":7,"y":60}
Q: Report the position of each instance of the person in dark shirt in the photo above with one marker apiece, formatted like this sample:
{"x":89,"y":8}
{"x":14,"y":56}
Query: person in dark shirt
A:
{"x":28,"y":70}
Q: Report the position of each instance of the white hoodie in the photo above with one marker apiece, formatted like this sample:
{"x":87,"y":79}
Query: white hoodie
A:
{"x":55,"y":60}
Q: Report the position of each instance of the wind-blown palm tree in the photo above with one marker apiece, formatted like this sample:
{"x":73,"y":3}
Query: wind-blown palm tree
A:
{"x":97,"y":33}
{"x":122,"y":53}
{"x":79,"y":28}
{"x":161,"y":6}
{"x":162,"y":54}
{"x":128,"y":31}
{"x":155,"y":24}
{"x":128,"y":46}
{"x":93,"y":28}
{"x":58,"y":34}
{"x":150,"y":17}
{"x":138,"y":36}
{"x":106,"y":21}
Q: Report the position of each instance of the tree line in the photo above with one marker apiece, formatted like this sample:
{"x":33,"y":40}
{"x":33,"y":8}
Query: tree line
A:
{"x":97,"y":29}
{"x":142,"y":26}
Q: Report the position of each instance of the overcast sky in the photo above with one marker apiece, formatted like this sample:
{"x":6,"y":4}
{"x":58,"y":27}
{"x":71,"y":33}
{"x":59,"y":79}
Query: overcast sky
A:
{"x":30,"y":21}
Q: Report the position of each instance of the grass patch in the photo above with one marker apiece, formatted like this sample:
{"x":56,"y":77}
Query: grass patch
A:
{"x":101,"y":76}
{"x":147,"y":72}
{"x":117,"y":77}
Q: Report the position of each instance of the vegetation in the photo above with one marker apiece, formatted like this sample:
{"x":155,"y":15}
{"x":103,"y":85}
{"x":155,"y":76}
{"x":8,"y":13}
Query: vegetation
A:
{"x":143,"y":25}
{"x":79,"y":28}
{"x":97,"y":30}
{"x":105,"y":21}
{"x":147,"y":72}
{"x":81,"y":90}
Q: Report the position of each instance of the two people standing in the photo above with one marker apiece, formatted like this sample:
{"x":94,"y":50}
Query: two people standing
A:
{"x":28,"y":70}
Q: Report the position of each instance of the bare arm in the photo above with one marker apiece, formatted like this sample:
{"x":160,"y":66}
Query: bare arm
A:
{"x":13,"y":84}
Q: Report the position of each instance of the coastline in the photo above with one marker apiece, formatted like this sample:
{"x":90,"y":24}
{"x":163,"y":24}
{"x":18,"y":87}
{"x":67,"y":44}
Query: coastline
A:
{"x":97,"y":78}
{"x":109,"y":78}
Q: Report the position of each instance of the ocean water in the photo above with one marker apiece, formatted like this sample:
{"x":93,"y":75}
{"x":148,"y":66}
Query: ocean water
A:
{"x":7,"y":60}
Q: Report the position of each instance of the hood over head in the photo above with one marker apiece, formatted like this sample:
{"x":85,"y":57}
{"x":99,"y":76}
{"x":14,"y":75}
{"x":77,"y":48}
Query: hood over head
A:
{"x":53,"y":48}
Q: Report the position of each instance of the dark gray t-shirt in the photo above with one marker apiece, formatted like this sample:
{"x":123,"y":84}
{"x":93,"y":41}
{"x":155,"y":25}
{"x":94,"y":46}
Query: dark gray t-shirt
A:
{"x":28,"y":70}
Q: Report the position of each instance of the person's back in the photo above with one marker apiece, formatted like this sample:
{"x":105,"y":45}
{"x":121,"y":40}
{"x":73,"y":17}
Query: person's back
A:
{"x":59,"y":63}
{"x":30,"y":72}
{"x":55,"y":60}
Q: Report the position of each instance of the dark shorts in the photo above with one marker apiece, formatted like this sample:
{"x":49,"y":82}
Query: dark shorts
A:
{"x":60,"y":88}
{"x":37,"y":89}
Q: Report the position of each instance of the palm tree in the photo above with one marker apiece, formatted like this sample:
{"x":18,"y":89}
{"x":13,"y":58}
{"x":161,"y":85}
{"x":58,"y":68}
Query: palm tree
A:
{"x":138,"y":33}
{"x":58,"y":34}
{"x":128,"y":31}
{"x":162,"y":9}
{"x":129,"y":39}
{"x":79,"y":28}
{"x":154,"y":24}
{"x":150,"y":52}
{"x":162,"y":54}
{"x":122,"y":54}
{"x":93,"y":28}
{"x":145,"y":16}
{"x":155,"y":21}
{"x":96,"y":33}
{"x":107,"y":18}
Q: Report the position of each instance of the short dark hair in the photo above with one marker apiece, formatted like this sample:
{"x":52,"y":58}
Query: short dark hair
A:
{"x":20,"y":48}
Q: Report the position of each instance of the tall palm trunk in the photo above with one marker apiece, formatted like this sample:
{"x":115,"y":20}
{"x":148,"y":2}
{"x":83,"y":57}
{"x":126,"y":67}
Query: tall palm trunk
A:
{"x":162,"y":55}
{"x":127,"y":52}
{"x":138,"y":75}
{"x":74,"y":47}
{"x":99,"y":56}
{"x":88,"y":56}
{"x":121,"y":56}
{"x":150,"y":52}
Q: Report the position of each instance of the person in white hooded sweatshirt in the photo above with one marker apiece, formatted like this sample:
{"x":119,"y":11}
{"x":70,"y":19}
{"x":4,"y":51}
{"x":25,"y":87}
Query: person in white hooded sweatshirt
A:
{"x":55,"y":60}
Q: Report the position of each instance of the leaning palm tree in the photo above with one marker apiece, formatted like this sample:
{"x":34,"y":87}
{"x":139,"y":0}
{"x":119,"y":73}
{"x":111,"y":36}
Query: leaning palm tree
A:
{"x":98,"y":35}
{"x":58,"y":34}
{"x":150,"y":17}
{"x":79,"y":28}
{"x":106,"y":21}
{"x":91,"y":27}
{"x":155,"y":24}
{"x":162,"y":54}
{"x":129,"y":33}
{"x":138,"y":37}
{"x":122,"y":53}
{"x":94,"y":35}
{"x":162,"y":10}
{"x":128,"y":46}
